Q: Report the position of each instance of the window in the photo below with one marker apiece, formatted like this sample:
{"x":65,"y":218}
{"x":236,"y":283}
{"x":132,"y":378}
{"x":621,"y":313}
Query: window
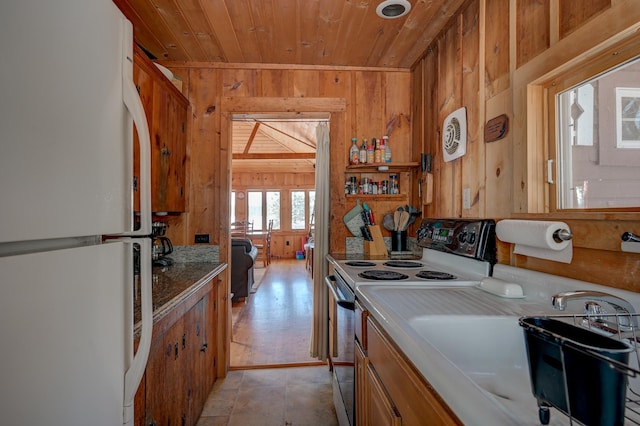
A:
{"x":312,"y":203}
{"x":273,"y":208}
{"x":298,"y":216}
{"x":302,"y":205}
{"x":263,"y":206}
{"x":597,"y":135}
{"x":233,"y":207}
{"x":254,"y":209}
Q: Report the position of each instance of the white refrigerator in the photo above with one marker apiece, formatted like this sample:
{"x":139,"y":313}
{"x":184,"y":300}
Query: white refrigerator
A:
{"x":67,"y":223}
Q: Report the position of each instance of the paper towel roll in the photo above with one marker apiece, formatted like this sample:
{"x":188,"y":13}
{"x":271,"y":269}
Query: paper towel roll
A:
{"x":535,"y":238}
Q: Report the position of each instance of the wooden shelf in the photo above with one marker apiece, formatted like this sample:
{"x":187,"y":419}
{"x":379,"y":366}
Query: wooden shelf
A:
{"x":378,"y":197}
{"x":373,"y":167}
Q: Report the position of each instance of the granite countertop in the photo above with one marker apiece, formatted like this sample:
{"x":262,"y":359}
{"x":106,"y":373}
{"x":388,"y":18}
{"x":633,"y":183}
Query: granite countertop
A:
{"x":173,"y":284}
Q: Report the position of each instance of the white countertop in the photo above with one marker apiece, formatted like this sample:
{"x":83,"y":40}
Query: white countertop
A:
{"x":395,"y":306}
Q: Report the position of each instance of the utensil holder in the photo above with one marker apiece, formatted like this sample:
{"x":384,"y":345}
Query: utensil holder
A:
{"x":398,"y":240}
{"x":375,"y":247}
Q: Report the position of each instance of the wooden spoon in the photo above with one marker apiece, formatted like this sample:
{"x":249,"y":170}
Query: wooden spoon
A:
{"x":404,"y":221}
{"x":396,"y":220}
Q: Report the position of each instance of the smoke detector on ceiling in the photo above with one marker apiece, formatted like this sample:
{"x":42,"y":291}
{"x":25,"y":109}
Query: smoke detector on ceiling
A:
{"x":391,"y":9}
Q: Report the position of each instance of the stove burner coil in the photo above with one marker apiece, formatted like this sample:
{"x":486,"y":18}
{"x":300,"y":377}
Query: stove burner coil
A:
{"x":402,"y":264}
{"x":377,"y":274}
{"x":435,"y":275}
{"x":360,"y":263}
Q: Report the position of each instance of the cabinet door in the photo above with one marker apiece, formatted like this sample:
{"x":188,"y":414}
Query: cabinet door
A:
{"x":362,"y":391}
{"x":144,"y":85}
{"x":211,"y":336}
{"x":176,"y":384}
{"x":381,"y":411}
{"x":155,"y":374}
{"x":168,"y":135}
{"x":167,"y":113}
{"x":139,"y":402}
{"x":197,"y":351}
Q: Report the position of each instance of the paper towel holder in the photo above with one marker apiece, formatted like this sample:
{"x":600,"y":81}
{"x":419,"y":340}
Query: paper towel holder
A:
{"x":562,"y":235}
{"x":631,"y":237}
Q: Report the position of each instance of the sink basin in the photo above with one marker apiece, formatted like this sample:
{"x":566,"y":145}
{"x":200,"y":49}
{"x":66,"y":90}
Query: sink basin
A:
{"x":489,"y":350}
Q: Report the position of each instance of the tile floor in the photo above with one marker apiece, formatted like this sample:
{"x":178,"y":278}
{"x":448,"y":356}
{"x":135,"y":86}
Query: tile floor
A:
{"x":296,"y":396}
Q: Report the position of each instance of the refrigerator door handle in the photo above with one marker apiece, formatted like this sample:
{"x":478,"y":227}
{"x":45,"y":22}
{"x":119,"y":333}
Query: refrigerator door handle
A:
{"x":133,"y":103}
{"x":133,"y":375}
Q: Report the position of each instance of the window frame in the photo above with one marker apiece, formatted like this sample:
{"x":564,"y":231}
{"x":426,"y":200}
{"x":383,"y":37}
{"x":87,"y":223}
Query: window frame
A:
{"x":572,"y":75}
{"x":285,"y":206}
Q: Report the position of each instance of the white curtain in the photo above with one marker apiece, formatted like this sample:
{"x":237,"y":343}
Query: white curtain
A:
{"x":320,"y":332}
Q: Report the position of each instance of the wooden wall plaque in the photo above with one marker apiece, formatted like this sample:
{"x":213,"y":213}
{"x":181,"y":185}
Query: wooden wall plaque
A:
{"x":496,"y":128}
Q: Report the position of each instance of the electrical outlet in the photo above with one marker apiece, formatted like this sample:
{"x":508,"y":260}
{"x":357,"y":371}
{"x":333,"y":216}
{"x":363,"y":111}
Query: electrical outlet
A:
{"x":202,"y":239}
{"x":466,"y":198}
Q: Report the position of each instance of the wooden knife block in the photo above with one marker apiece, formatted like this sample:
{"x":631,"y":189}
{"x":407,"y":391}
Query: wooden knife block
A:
{"x":375,"y":247}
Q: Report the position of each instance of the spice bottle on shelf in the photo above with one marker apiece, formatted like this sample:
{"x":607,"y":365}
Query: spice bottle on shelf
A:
{"x":370,"y":153}
{"x":354,"y":185}
{"x":354,"y":152}
{"x":374,"y":187}
{"x":393,"y":184}
{"x":363,"y":152}
{"x":377,"y":154}
{"x":387,"y":149}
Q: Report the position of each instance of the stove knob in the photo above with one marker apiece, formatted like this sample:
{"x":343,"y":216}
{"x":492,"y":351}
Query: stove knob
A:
{"x":462,"y":237}
{"x":471,"y":237}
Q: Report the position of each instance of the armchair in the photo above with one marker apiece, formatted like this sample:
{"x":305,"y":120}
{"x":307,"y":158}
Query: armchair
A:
{"x":243,"y":257}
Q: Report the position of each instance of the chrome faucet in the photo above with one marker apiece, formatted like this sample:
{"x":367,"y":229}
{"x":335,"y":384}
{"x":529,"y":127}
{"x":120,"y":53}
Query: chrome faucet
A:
{"x":623,"y":309}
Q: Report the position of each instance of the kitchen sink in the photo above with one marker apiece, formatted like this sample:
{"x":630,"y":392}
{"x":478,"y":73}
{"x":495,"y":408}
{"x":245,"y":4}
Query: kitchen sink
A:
{"x":489,"y":350}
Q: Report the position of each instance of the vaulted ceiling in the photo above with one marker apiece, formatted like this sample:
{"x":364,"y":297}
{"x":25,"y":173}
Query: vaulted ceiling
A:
{"x":274,"y":145}
{"x":286,"y":32}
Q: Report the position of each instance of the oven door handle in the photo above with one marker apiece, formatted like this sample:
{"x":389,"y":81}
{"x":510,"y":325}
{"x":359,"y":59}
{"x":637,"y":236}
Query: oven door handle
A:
{"x":343,"y":303}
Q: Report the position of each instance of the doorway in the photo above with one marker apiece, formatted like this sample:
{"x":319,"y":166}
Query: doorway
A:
{"x":273,"y":187}
{"x":333,"y":109}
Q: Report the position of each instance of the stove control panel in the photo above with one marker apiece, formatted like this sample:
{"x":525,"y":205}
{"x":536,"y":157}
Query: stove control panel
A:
{"x":465,"y":237}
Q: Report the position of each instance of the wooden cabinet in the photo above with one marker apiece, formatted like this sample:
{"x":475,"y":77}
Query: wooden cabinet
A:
{"x":361,"y":364}
{"x":362,"y":385}
{"x":167,"y":112}
{"x":381,"y":410}
{"x":389,"y":391}
{"x":181,"y":366}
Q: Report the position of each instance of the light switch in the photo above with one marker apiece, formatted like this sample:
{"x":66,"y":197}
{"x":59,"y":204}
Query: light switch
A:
{"x":466,"y":198}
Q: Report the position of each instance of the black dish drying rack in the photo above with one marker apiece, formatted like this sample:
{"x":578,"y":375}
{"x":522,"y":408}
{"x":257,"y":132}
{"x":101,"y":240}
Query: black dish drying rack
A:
{"x":586,"y":366}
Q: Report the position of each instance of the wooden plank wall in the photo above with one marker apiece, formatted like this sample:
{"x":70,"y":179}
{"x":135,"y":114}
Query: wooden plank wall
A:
{"x":377,"y":101}
{"x":484,"y":61}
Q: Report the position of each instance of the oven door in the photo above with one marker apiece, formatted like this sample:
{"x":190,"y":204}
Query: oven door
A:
{"x":341,"y":348}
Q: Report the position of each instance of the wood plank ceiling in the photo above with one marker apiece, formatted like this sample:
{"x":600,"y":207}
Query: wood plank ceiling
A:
{"x":288,"y":33}
{"x":305,"y":32}
{"x":274,"y":145}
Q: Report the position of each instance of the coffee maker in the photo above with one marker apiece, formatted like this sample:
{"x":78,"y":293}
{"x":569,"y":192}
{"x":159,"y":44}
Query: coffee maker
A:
{"x":160,"y":245}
